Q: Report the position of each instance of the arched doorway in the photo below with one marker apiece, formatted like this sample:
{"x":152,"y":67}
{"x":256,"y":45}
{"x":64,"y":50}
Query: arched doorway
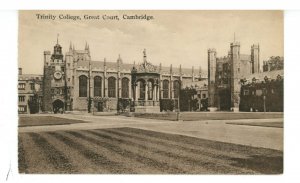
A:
{"x":58,"y":106}
{"x":225,"y":100}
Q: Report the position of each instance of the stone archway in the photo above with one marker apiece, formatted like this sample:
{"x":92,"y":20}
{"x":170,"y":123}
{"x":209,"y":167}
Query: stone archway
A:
{"x":58,"y":106}
{"x":224,"y":100}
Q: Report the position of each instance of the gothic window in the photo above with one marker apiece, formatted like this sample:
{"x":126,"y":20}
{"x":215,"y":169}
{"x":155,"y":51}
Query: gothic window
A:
{"x":21,"y":98}
{"x":125,"y":88}
{"x":176,"y":87}
{"x":97,"y":86}
{"x":142,"y":90}
{"x":31,"y":98}
{"x":21,"y":86}
{"x":83,"y":86}
{"x":32,"y":87}
{"x":165,"y":89}
{"x":112,"y":87}
{"x":22,"y":108}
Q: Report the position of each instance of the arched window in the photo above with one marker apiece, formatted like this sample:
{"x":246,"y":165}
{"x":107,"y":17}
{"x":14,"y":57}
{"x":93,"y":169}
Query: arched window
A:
{"x":97,"y":86}
{"x":150,"y":90}
{"x":165,"y":89}
{"x":125,"y":88}
{"x":142,"y":89}
{"x":82,"y":86}
{"x":176,"y":88}
{"x":112,"y":87}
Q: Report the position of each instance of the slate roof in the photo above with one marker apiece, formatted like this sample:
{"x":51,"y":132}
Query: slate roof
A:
{"x":126,"y":66}
{"x":29,"y":76}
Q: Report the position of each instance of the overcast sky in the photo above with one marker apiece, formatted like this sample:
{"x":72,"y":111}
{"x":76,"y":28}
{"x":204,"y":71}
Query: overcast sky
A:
{"x":172,"y":37}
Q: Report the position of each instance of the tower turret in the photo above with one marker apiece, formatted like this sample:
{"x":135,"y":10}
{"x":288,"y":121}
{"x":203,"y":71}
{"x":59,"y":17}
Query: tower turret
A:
{"x":145,"y":56}
{"x":57,"y":51}
{"x":235,"y":74}
{"x":47,"y":57}
{"x":70,"y":47}
{"x":119,"y":60}
{"x":255,"y":58}
{"x":212,"y":56}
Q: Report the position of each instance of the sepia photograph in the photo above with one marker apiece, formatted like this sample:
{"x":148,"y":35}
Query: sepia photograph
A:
{"x":150,"y":92}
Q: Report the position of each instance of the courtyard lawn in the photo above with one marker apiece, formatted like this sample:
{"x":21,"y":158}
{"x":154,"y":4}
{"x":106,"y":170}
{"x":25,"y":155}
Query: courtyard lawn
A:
{"x":44,"y":120}
{"x":198,"y":116}
{"x":137,"y":151}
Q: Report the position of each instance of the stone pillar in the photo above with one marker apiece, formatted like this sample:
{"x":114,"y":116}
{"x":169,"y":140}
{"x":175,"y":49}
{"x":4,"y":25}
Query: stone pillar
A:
{"x":117,"y":88}
{"x":135,"y":91}
{"x":154,"y":92}
{"x":102,"y":87}
{"x":91,"y":86}
{"x":171,"y":89}
{"x":105,"y":79}
{"x":129,"y":92}
{"x":105,"y":86}
{"x":146,"y":91}
{"x":157,"y":93}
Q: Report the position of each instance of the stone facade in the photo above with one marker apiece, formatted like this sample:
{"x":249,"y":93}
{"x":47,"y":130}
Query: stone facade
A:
{"x":79,"y":83}
{"x":225,"y":73}
{"x":29,"y":86}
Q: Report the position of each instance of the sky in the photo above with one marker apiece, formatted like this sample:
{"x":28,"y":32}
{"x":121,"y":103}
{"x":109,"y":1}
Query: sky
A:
{"x":171,"y":37}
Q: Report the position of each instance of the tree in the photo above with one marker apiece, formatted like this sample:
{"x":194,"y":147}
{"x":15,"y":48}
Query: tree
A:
{"x":187,"y":101}
{"x":33,"y":104}
{"x":274,"y":63}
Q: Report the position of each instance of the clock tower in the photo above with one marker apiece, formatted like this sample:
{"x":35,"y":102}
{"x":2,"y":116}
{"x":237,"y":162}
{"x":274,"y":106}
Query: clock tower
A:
{"x":54,"y":91}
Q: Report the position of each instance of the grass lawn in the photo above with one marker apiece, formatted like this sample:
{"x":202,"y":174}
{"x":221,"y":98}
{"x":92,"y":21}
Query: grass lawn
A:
{"x":262,"y":124}
{"x":44,"y":120}
{"x":136,"y":151}
{"x":198,"y":116}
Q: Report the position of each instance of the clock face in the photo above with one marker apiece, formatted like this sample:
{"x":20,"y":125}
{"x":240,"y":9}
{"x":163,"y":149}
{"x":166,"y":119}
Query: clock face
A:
{"x":57,"y":75}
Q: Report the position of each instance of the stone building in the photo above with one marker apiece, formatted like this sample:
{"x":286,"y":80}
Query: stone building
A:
{"x":75,"y":82}
{"x":225,"y":73}
{"x":29,"y":87}
{"x":236,"y":83}
{"x":201,"y":88}
{"x":262,"y":92}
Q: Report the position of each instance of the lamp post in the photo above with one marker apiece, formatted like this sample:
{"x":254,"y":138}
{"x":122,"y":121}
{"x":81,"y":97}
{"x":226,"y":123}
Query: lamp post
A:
{"x":264,"y":97}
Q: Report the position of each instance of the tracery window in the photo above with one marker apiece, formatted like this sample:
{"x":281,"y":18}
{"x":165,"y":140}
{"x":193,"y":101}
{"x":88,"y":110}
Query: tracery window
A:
{"x":176,"y":88}
{"x":97,"y":86}
{"x":165,"y":89}
{"x":112,"y":87}
{"x":125,"y":88}
{"x":83,"y":86}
